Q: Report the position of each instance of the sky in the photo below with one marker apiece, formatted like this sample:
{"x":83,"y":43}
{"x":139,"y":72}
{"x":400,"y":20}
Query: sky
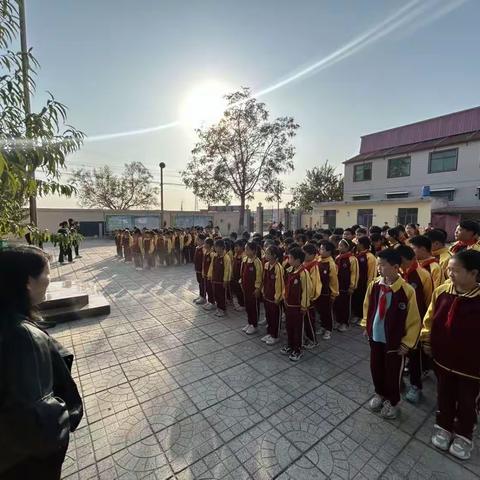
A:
{"x":122,"y":66}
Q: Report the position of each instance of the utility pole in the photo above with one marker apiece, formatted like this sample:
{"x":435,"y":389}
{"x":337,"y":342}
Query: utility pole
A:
{"x":26,"y":98}
{"x":162,"y":166}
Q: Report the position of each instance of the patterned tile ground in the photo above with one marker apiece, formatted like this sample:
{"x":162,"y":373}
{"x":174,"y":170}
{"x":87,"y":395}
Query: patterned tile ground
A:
{"x":171,"y":391}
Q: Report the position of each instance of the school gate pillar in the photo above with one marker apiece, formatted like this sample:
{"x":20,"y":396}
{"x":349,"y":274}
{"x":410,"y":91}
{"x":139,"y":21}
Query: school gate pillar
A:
{"x":259,"y":219}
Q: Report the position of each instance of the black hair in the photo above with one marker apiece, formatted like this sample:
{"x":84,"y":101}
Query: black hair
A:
{"x":309,"y":249}
{"x":421,"y":241}
{"x":437,"y":235}
{"x":275,"y":252}
{"x":394,"y":232}
{"x":354,"y":227}
{"x":361,"y":230}
{"x":228,"y":244}
{"x":201,"y":236}
{"x":17,"y":265}
{"x":327,"y":231}
{"x":374,"y":229}
{"x":471,"y":226}
{"x":233,"y":235}
{"x":385,"y":228}
{"x":376,"y":237}
{"x":349,"y":243}
{"x":401,"y":228}
{"x":220,"y":243}
{"x":246,"y":235}
{"x":209,"y":242}
{"x":364,"y":242}
{"x":406,"y":252}
{"x":297,"y":253}
{"x":328,"y":246}
{"x":254,"y":247}
{"x":470,"y":259}
{"x":302,"y":238}
{"x":239,"y":243}
{"x":413,"y":225}
{"x":338,"y":231}
{"x":292,"y":246}
{"x":391,"y":256}
{"x":288,"y":241}
{"x":349,"y":230}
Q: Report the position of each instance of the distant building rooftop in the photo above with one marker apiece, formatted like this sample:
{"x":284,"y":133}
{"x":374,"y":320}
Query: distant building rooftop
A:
{"x":458,"y":127}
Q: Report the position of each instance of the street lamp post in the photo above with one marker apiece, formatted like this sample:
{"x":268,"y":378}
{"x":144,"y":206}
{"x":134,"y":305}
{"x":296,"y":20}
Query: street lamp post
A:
{"x":162,"y":166}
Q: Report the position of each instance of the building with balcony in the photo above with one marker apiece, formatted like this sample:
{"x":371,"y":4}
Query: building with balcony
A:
{"x":425,"y":172}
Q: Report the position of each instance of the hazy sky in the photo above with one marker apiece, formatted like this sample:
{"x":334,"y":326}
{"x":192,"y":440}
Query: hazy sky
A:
{"x":121,"y":65}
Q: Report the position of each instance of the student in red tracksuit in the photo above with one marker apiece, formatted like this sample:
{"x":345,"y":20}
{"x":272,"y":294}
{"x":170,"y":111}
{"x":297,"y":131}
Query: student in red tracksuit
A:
{"x":127,"y":241}
{"x":220,"y":273}
{"x":392,"y":325}
{"x":137,"y":249}
{"x":198,"y":264}
{"x":422,"y":246}
{"x":347,"y":271}
{"x":367,"y":271}
{"x":272,"y":292}
{"x":421,"y":282}
{"x":311,"y":265}
{"x":149,"y":249}
{"x":118,"y":243}
{"x":329,"y":280}
{"x":251,"y":281}
{"x":235,"y":287}
{"x":297,"y":302}
{"x":451,"y":334}
{"x":207,"y":260}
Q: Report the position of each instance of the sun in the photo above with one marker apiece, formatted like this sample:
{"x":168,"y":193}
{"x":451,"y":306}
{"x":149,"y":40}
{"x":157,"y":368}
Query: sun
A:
{"x":204,"y":104}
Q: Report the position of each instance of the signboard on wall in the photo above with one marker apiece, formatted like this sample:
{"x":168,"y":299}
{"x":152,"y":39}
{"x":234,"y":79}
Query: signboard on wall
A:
{"x":118,"y":222}
{"x":182,"y":220}
{"x":149,"y":222}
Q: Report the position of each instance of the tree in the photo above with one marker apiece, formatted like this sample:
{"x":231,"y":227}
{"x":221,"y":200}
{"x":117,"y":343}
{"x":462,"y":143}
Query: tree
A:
{"x":321,"y":184}
{"x":243,"y":153}
{"x":37,"y":141}
{"x":100,"y":188}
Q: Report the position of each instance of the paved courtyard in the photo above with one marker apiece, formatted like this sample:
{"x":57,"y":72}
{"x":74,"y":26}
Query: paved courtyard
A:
{"x":171,"y":391}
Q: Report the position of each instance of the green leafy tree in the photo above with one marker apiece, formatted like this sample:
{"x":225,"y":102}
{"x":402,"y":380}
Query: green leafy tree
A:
{"x":101,"y":188}
{"x":321,"y":184}
{"x":36,"y":141}
{"x":243,"y":153}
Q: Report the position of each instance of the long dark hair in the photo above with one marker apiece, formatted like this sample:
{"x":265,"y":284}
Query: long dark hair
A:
{"x":17,"y":265}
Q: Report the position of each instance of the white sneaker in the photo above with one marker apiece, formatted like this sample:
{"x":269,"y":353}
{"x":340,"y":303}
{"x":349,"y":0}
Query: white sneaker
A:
{"x":197,"y":299}
{"x":262,"y":322}
{"x":389,"y":412}
{"x":239,"y":308}
{"x":244,"y":329}
{"x":336,"y":325}
{"x":343,"y":327}
{"x":413,"y":394}
{"x":461,"y":447}
{"x":251,"y":330}
{"x":201,"y":301}
{"x":138,"y":269}
{"x":308,"y":345}
{"x":320,"y":332}
{"x":441,"y":438}
{"x":219,"y":313}
{"x":376,"y":403}
{"x":209,"y":306}
{"x":272,"y":341}
{"x":265,"y":338}
{"x":327,"y":335}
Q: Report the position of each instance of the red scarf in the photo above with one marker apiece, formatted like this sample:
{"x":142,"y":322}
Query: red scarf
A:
{"x":309,"y":265}
{"x":382,"y":300}
{"x":343,"y":256}
{"x":410,"y":269}
{"x":461,"y":245}
{"x":426,"y":263}
{"x":452,"y":312}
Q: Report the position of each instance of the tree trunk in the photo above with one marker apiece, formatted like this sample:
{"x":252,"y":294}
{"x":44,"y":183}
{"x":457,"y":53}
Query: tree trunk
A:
{"x":241,"y":220}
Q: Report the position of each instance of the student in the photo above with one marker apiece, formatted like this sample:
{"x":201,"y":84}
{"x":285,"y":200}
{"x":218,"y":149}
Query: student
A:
{"x":347,"y":271}
{"x":198,"y":265}
{"x":149,"y":249}
{"x":297,"y":301}
{"x":311,"y":266}
{"x":219,"y":274}
{"x":251,"y":281}
{"x":187,"y":240}
{"x":392,"y":326}
{"x":367,"y":271}
{"x":420,"y":280}
{"x":169,"y":248}
{"x":466,"y":236}
{"x":127,"y":241}
{"x":422,"y":246}
{"x":137,"y":249}
{"x":378,"y":242}
{"x":329,"y":280}
{"x":359,"y":233}
{"x":412,"y":230}
{"x":439,"y":250}
{"x":272,"y":292}
{"x":348,"y":234}
{"x":118,"y":243}
{"x":64,"y":244}
{"x":235,"y":287}
{"x":395,"y":237}
{"x":451,"y":334}
{"x":207,"y":260}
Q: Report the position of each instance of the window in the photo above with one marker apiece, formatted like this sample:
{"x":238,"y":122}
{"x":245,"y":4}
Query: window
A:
{"x":356,"y":198}
{"x":365,"y":217}
{"x":398,"y":167}
{"x":362,"y":172}
{"x":448,"y":194}
{"x":443,"y":161}
{"x":407,"y":215}
{"x":330,"y":218}
{"x":397,"y":195}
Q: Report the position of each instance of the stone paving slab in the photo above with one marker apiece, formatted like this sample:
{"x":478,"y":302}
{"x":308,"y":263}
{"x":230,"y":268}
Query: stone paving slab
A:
{"x":173,"y":392}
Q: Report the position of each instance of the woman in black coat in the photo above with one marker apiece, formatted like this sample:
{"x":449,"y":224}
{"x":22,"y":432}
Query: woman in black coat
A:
{"x":39,"y":401}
